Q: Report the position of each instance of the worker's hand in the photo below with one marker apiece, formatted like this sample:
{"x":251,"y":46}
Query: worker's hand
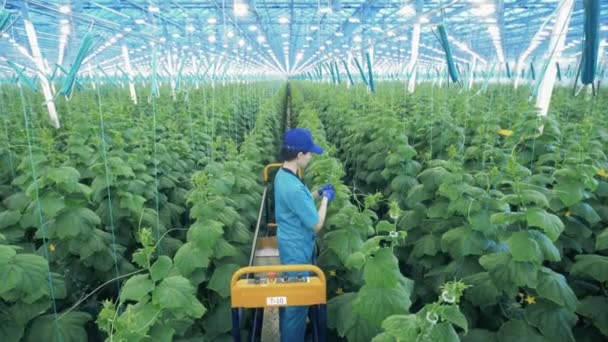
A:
{"x":324,"y":188}
{"x":329,"y":194}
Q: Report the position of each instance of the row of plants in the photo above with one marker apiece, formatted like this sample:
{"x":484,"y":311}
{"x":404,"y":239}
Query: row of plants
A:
{"x":104,"y":198}
{"x":225,"y":200}
{"x":512,"y":204}
{"x":357,"y":251}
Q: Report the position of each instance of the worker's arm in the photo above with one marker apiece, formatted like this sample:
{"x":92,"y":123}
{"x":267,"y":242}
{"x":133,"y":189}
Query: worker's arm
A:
{"x":322,"y":214}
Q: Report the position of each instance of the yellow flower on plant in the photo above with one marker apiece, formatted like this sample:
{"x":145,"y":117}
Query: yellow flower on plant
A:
{"x":530,"y":299}
{"x":505,"y":132}
{"x":52,"y":247}
{"x":332,"y":273}
{"x":339,"y":291}
{"x":602,"y":173}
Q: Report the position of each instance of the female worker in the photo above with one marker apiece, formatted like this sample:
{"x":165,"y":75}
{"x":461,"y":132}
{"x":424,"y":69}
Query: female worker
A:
{"x":297,"y":219}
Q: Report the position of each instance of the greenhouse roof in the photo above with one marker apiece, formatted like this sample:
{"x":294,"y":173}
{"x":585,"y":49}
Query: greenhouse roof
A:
{"x":283,"y":36}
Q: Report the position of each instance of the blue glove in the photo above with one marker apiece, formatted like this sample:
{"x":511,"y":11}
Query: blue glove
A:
{"x":324,"y":188}
{"x":329,"y":194}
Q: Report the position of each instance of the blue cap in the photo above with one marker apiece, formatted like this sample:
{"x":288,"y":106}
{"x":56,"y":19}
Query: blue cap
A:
{"x":300,"y":140}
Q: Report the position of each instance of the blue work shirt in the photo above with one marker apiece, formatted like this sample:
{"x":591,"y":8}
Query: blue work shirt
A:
{"x":296,"y":217}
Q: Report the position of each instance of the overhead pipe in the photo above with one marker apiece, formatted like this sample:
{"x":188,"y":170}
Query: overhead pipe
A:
{"x":472,"y":73}
{"x":369,"y":57}
{"x":411,"y":67}
{"x":127,"y":61}
{"x":533,"y":45}
{"x":41,"y":68}
{"x":556,"y":47}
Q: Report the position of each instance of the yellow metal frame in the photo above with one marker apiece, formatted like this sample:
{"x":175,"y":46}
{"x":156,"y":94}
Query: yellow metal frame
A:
{"x":276,"y":166}
{"x":245,"y":294}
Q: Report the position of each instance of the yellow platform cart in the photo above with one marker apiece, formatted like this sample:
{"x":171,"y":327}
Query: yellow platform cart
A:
{"x":266,"y":286}
{"x":271,"y":288}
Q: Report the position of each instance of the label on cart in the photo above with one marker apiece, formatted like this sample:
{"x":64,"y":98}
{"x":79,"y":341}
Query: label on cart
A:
{"x":276,"y":301}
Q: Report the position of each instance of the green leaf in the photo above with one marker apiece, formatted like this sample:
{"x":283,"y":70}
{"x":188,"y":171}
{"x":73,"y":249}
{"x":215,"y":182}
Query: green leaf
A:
{"x":136,"y":288}
{"x":160,"y":268}
{"x":137,"y":319}
{"x":463,"y":241}
{"x":533,"y":196}
{"x":384,"y":227}
{"x":443,"y":332}
{"x":220,"y":280}
{"x":417,"y":194}
{"x":595,"y":308}
{"x":131,"y":202}
{"x":9,"y":218}
{"x":209,"y":211}
{"x":382,"y":269}
{"x":376,"y":304}
{"x":402,"y":327}
{"x":547,"y":247}
{"x":602,"y":189}
{"x":432,"y":178}
{"x":452,"y":314}
{"x":592,"y":265}
{"x":479,"y":335}
{"x":585,"y":211}
{"x":51,"y":204}
{"x":549,"y":223}
{"x":486,"y":292}
{"x":176,"y":293}
{"x":439,"y":209}
{"x":356,"y":261}
{"x":524,"y":248}
{"x":189,"y":257}
{"x":72,"y":222}
{"x":482,"y":222}
{"x":553,"y":286}
{"x":362,"y":330}
{"x":215,"y":321}
{"x":384,"y":337}
{"x":340,"y":313}
{"x":426,"y":245}
{"x":224,"y":249}
{"x":17,"y":201}
{"x":161,"y":333}
{"x":343,"y":242}
{"x":26,"y":273}
{"x":205,"y":234}
{"x":601,"y":240}
{"x":518,"y":331}
{"x":10,"y":331}
{"x":526,"y":197}
{"x":70,"y":328}
{"x":22,"y":312}
{"x":570,"y":192}
{"x":553,"y":321}
{"x":576,"y":227}
{"x":504,"y":270}
{"x":507,"y":218}
{"x":238,"y":233}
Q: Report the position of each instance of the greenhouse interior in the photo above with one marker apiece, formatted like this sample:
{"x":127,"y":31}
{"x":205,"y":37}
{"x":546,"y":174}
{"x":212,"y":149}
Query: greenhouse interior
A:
{"x":303,"y":170}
